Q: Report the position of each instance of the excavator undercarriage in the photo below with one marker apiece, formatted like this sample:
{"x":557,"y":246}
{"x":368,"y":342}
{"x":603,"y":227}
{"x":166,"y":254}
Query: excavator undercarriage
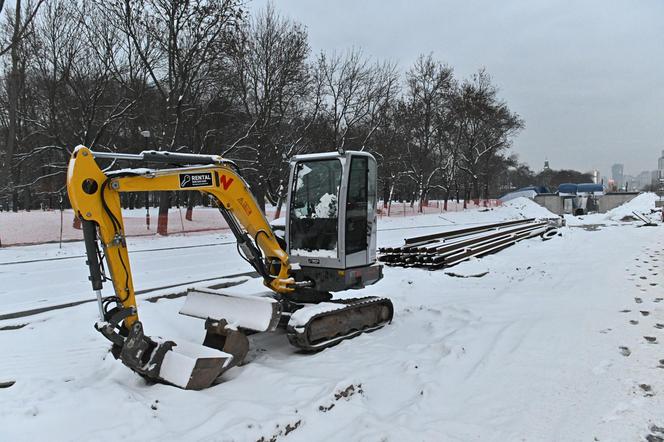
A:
{"x":329,"y":246}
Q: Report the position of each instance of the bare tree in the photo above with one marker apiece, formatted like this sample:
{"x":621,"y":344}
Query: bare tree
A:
{"x":487,"y":126}
{"x":177,"y":41}
{"x":423,"y":111}
{"x":201,"y":76}
{"x":23,"y":27}
{"x":272,"y":80}
{"x":355,"y":90}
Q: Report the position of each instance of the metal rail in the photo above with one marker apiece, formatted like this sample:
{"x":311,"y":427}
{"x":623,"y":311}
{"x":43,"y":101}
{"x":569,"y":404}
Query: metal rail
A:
{"x":437,"y":251}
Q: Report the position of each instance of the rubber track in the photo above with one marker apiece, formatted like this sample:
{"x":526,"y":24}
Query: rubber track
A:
{"x":300,"y":340}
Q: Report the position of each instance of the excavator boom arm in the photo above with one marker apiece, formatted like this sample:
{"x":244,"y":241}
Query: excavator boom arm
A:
{"x":95,"y":197}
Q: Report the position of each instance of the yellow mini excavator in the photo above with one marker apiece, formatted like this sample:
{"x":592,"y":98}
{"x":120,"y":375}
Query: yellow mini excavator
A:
{"x":329,"y":246}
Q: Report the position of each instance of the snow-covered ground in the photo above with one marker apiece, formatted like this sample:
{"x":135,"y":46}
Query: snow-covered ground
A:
{"x":553,"y":343}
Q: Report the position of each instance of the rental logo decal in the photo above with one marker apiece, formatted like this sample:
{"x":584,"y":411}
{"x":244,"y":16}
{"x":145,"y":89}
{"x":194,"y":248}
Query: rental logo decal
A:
{"x":188,"y":180}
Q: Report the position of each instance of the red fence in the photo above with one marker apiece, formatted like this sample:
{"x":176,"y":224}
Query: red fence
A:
{"x":405,"y":209}
{"x":38,"y":227}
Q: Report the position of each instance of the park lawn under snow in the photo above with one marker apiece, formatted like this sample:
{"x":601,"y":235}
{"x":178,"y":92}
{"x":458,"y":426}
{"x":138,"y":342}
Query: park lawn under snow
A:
{"x":551,"y":344}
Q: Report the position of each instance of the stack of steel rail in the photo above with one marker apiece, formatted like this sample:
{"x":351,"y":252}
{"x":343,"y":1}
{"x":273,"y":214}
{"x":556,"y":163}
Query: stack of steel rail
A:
{"x":448,"y":248}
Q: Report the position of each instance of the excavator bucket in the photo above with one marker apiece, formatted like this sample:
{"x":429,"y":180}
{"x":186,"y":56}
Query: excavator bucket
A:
{"x":185,"y":364}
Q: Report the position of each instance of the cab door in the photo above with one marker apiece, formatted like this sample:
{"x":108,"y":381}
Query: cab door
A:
{"x":360,"y":211}
{"x":314,"y":214}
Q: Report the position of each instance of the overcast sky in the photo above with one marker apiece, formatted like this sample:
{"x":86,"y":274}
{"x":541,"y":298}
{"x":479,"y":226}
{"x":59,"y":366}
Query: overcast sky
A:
{"x":587,"y":76}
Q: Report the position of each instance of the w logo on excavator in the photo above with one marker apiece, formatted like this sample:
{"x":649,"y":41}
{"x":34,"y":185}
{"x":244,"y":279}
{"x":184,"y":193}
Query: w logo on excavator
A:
{"x":224,"y":182}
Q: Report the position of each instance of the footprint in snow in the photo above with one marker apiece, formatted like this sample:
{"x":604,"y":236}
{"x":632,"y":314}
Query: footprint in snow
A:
{"x":638,"y":300}
{"x":647,"y":389}
{"x":633,"y":322}
{"x":656,"y":434}
{"x":645,"y":312}
{"x":659,"y":325}
{"x":625,"y":351}
{"x":625,"y":311}
{"x":658,"y":300}
{"x":642,"y":277}
{"x":651,"y":339}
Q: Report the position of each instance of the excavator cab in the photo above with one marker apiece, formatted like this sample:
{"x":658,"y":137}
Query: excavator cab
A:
{"x":331,"y":220}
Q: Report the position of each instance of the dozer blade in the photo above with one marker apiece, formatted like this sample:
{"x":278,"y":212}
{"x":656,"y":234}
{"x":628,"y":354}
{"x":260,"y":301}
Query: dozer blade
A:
{"x":318,"y":326}
{"x":185,"y":364}
{"x":258,"y":313}
{"x":229,"y":316}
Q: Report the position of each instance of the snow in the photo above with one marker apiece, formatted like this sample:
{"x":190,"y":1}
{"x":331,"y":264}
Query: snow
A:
{"x":327,"y":206}
{"x":528,"y":208}
{"x":132,"y":171}
{"x":641,"y":204}
{"x":518,"y":194}
{"x":179,"y":363}
{"x":533,"y":350}
{"x":318,"y":253}
{"x":279,"y":222}
{"x":254,"y":312}
{"x":300,"y":318}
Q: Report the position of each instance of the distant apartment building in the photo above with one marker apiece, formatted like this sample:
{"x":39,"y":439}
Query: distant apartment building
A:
{"x":617,"y":175}
{"x":643,"y":180}
{"x":628,"y":183}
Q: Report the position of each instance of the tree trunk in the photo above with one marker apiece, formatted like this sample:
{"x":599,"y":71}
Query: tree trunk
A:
{"x":12,"y":92}
{"x":280,"y":203}
{"x":422,"y":199}
{"x":27,"y":200}
{"x":389,"y":198}
{"x":190,"y":207}
{"x":387,"y":192}
{"x":280,"y":199}
{"x":465,"y":196}
{"x":162,"y":220}
{"x":259,"y":193}
{"x":476,"y":191}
